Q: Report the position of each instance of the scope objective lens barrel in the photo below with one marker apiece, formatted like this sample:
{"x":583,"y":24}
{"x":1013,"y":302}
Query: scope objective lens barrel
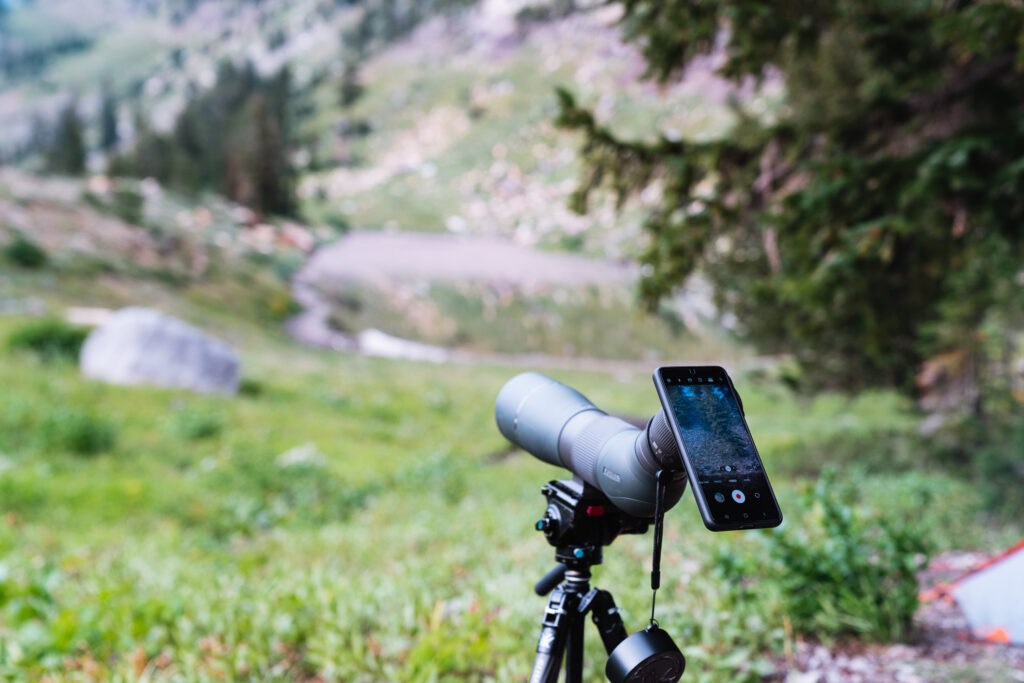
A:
{"x":560,"y":426}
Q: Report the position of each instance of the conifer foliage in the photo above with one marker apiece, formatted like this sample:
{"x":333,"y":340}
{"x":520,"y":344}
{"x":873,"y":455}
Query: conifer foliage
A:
{"x":66,"y":152}
{"x":108,"y":121}
{"x":232,"y":138}
{"x":872,"y":220}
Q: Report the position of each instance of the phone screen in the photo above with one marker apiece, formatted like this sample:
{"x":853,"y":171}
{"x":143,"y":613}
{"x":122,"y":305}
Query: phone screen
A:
{"x":720,"y":455}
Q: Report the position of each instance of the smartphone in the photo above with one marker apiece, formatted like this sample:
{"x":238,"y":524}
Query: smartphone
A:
{"x":725,"y":471}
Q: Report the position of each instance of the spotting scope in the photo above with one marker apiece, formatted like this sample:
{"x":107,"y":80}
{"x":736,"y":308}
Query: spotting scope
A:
{"x":557,"y":424}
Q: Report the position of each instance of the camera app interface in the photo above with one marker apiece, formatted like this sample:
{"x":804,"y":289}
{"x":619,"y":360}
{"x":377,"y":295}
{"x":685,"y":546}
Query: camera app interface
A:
{"x":720,"y":449}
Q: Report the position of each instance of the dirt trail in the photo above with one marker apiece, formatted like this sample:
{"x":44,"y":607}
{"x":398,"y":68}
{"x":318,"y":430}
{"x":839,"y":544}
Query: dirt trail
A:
{"x":383,"y":258}
{"x":390,"y":256}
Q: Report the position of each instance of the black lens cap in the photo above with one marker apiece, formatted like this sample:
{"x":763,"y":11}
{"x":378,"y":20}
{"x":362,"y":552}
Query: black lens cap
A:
{"x":647,"y":656}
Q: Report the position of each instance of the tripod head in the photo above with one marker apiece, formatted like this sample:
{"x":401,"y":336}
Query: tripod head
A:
{"x":580,"y":520}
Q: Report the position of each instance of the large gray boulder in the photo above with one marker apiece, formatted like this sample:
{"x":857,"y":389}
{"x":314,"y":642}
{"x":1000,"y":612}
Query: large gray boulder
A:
{"x":144,"y":346}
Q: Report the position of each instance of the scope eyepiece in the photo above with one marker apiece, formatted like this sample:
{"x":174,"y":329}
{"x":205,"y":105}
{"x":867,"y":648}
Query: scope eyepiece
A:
{"x":560,"y":426}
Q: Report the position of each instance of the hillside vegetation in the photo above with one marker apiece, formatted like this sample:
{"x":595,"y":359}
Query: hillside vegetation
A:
{"x":424,"y":116}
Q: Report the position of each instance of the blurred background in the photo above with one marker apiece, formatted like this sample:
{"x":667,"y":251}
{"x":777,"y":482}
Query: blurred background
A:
{"x":370,"y":214}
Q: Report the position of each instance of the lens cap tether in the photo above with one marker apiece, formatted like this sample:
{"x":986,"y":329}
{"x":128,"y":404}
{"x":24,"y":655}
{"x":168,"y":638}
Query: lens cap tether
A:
{"x":649,"y":656}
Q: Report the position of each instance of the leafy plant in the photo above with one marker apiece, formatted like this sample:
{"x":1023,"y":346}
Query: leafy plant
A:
{"x":844,"y":571}
{"x":50,"y":339}
{"x":986,"y":451}
{"x":22,"y":251}
{"x":76,"y":431}
{"x":128,"y":205}
{"x":195,"y":425}
{"x":251,"y":387}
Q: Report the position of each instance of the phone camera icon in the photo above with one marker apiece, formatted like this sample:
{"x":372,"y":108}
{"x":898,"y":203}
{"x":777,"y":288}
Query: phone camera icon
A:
{"x":739,"y":496}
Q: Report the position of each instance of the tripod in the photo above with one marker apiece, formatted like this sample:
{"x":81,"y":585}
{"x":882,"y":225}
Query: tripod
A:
{"x":579,"y":520}
{"x":562,"y":628}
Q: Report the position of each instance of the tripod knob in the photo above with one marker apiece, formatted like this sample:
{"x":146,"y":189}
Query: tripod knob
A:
{"x":551,"y":522}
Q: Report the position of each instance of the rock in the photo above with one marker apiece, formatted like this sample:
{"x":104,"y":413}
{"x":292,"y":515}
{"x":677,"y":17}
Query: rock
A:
{"x":143,"y":346}
{"x":305,"y":455}
{"x":89,"y":316}
{"x":373,"y":342}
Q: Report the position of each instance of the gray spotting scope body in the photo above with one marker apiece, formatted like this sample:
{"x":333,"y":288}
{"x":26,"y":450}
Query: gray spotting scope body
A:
{"x":558,"y":425}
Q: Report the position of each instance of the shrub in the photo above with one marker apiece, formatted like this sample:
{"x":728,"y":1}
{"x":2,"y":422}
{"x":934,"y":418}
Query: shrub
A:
{"x":128,"y":205}
{"x":985,"y":450}
{"x":253,"y":388}
{"x":836,"y":570}
{"x":848,"y":572}
{"x":337,"y":221}
{"x":92,"y":199}
{"x":999,"y":470}
{"x":23,"y":252}
{"x":74,"y":431}
{"x":195,"y":425}
{"x":50,"y":339}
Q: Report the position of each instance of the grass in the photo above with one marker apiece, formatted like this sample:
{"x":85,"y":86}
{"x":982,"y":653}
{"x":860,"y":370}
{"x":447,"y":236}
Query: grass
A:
{"x":597,"y":322}
{"x":398,"y":547}
{"x":49,"y":339}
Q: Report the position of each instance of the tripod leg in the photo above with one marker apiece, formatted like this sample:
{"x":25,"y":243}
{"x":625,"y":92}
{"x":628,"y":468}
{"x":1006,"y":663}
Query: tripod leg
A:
{"x":559,"y":618}
{"x":606,"y":618}
{"x":574,"y":652}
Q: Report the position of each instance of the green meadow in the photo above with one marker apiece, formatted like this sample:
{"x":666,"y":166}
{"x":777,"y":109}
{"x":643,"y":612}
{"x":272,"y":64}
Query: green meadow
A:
{"x":356,"y":519}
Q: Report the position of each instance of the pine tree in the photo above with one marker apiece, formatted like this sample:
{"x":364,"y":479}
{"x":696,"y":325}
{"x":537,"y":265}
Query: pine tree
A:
{"x":233,"y":138}
{"x":351,"y":87}
{"x":874,"y":219}
{"x":67,"y":151}
{"x":108,"y":121}
{"x":270,"y":171}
